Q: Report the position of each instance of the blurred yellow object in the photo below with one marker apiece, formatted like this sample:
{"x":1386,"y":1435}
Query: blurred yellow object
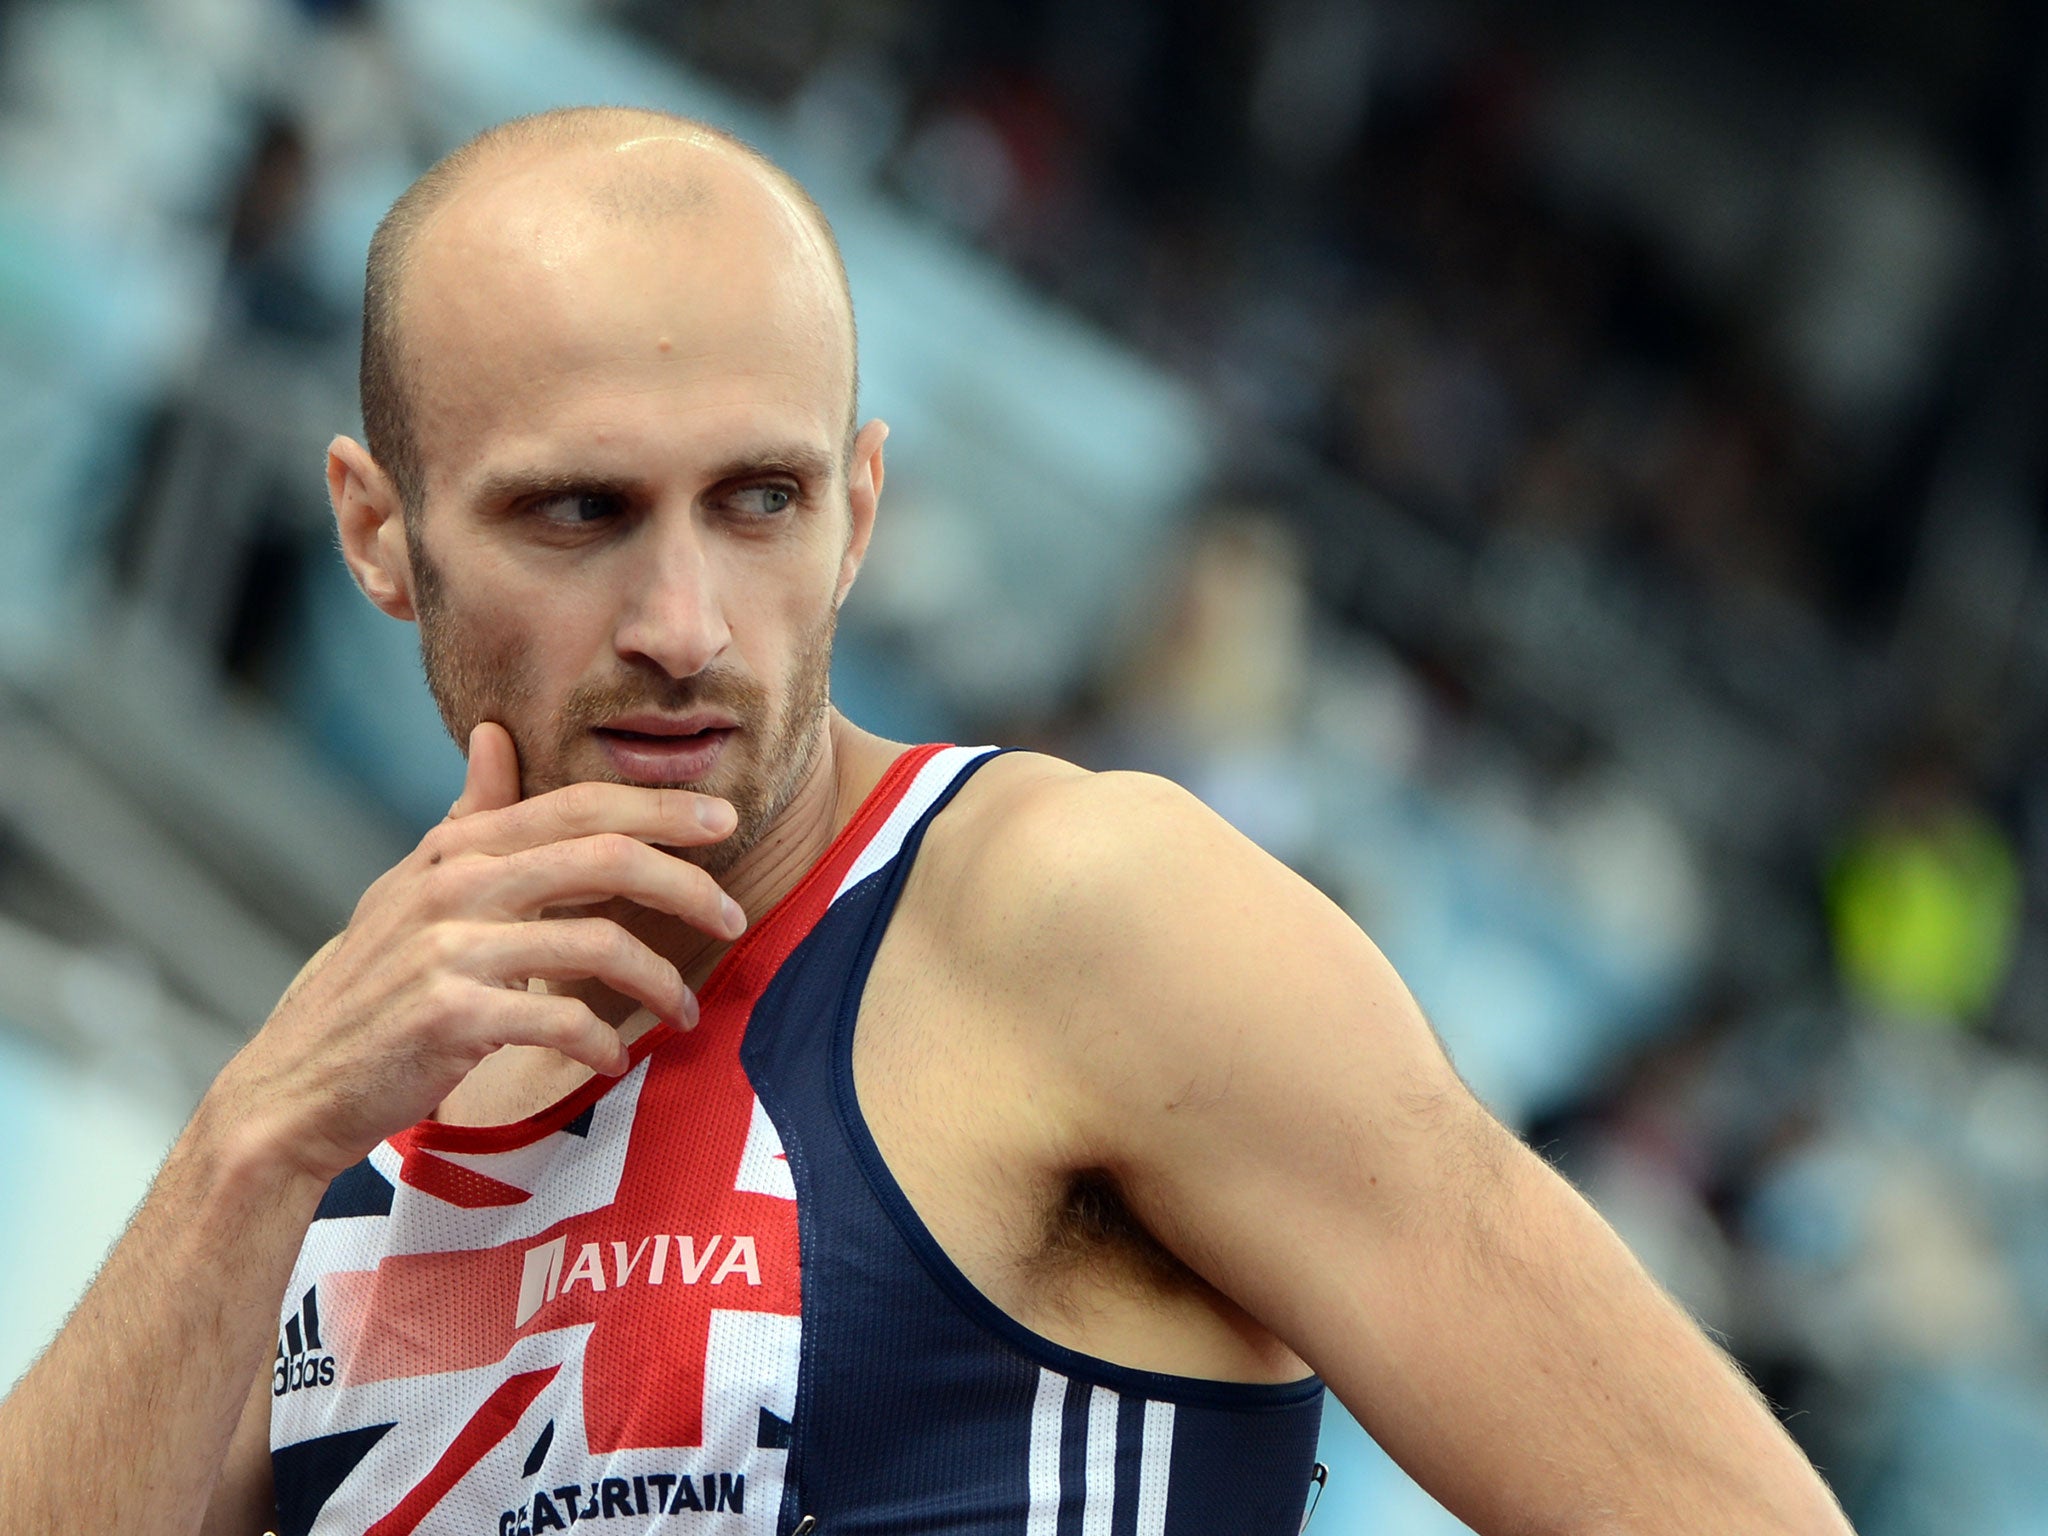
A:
{"x":1924,"y":914}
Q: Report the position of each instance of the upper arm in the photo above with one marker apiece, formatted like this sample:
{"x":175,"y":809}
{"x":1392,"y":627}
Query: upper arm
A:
{"x":1276,"y":1109}
{"x":1240,"y":1056}
{"x":244,"y":1501}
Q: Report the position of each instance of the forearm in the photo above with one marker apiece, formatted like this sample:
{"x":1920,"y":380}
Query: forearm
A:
{"x":146,"y":1381}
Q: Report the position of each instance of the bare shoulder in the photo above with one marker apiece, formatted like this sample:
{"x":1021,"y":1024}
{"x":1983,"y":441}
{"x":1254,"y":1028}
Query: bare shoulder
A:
{"x":1041,"y":863}
{"x":1031,"y":835}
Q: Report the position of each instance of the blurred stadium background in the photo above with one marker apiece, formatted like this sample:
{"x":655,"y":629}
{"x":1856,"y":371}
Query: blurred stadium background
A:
{"x":1572,"y":485}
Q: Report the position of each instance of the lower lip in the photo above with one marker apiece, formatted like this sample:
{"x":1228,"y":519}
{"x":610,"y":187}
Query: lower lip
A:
{"x":663,"y":759}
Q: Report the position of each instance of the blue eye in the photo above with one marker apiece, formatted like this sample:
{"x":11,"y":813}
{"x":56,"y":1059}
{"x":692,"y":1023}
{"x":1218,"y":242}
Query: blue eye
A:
{"x":763,"y":500}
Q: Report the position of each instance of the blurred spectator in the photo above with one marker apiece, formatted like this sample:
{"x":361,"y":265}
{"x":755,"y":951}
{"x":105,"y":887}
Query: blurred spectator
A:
{"x":1213,"y":694}
{"x":1925,"y":901}
{"x":267,"y":281}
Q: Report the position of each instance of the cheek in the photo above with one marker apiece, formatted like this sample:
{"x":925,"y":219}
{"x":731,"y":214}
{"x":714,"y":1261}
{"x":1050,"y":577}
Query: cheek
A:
{"x":508,"y":655}
{"x":771,"y":615}
{"x":479,"y":665}
{"x":805,"y":645}
{"x":549,"y":630}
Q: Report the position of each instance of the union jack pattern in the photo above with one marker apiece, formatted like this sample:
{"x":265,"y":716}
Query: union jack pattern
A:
{"x":592,"y":1314}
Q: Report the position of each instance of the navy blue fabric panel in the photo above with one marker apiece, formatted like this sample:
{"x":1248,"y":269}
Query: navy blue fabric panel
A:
{"x":306,"y":1474}
{"x":1240,"y":1472}
{"x":906,"y":1421}
{"x":356,"y":1191}
{"x":915,"y":1394}
{"x":1130,"y":1448}
{"x":1074,"y":1458}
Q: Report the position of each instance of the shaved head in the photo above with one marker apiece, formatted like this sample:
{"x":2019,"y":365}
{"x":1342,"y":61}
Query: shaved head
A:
{"x":605,"y":165}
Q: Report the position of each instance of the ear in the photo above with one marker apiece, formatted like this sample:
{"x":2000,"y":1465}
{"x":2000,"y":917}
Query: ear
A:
{"x":371,"y":521}
{"x":863,"y":494}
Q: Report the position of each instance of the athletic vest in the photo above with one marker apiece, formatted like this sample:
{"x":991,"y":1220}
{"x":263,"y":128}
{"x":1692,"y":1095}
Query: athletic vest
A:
{"x":693,"y":1298}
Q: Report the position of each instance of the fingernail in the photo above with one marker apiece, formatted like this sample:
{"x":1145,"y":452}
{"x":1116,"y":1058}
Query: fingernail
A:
{"x":711,"y":814}
{"x":735,"y":918}
{"x":688,"y":1017}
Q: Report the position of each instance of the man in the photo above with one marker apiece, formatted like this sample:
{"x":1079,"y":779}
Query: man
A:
{"x":1134,"y":1131}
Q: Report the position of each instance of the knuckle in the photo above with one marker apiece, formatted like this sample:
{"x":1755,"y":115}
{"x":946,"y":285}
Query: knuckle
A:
{"x":599,"y":941}
{"x":434,"y":948}
{"x":446,"y":995}
{"x":704,"y":886}
{"x":615,"y":852}
{"x":580,"y":802}
{"x":620,"y":947}
{"x":570,"y":936}
{"x":446,"y":944}
{"x":566,"y":1026}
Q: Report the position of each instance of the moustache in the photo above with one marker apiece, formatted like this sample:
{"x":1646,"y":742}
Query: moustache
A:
{"x":722,"y":689}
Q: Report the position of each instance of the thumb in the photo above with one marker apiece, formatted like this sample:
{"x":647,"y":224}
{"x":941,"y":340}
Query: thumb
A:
{"x":492,"y":780}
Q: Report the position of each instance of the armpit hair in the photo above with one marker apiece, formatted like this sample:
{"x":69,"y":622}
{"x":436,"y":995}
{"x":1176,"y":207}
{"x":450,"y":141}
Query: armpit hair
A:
{"x":1091,"y":1228}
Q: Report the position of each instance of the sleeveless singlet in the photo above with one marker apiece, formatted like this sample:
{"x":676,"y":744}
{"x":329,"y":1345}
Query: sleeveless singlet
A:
{"x":693,"y":1298}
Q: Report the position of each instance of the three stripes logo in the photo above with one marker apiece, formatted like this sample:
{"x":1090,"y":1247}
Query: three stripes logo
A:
{"x":302,"y":1361}
{"x":1101,"y":1461}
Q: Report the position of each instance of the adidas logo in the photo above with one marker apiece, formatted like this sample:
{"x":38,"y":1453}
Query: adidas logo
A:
{"x":301,"y":1360}
{"x":542,"y":1278}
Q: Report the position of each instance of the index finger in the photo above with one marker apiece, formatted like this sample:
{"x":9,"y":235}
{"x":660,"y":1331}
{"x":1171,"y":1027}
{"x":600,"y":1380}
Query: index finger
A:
{"x":680,"y":818}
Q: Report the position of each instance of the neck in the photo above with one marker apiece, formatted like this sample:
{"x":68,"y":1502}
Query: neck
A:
{"x":845,"y":768}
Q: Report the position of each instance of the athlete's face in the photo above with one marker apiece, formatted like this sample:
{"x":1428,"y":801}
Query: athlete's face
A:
{"x":639,"y":517}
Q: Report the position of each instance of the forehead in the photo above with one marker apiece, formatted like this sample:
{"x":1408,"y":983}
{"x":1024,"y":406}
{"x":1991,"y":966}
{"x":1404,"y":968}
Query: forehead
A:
{"x":572,"y":300}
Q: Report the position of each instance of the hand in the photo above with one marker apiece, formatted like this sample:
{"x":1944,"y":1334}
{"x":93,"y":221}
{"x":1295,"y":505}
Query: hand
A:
{"x":430,"y":976}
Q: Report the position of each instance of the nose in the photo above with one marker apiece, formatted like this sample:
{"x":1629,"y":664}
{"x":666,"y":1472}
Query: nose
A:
{"x":674,"y":615}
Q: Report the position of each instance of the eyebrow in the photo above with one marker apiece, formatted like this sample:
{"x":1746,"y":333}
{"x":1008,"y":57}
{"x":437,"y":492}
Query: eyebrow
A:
{"x":800,"y":461}
{"x":511,"y":485}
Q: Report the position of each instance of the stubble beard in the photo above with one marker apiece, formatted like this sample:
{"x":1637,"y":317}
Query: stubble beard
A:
{"x":475,"y":676}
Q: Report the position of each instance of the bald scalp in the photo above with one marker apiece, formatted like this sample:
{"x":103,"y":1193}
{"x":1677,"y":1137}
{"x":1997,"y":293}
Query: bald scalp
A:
{"x":633,"y":193}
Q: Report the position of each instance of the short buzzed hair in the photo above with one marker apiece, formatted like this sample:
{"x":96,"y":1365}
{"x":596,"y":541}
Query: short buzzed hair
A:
{"x":386,"y":400}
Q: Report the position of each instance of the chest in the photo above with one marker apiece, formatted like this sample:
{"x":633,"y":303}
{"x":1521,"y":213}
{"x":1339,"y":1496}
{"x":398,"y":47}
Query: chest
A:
{"x":969,"y":1112}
